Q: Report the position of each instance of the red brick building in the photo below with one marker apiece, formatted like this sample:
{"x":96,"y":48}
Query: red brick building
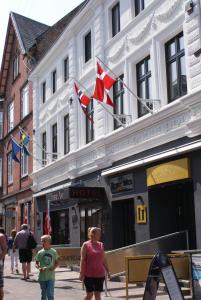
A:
{"x":16,"y":92}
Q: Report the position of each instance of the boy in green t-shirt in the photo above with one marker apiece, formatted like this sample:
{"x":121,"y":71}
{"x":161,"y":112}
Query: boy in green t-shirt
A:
{"x":46,"y":262}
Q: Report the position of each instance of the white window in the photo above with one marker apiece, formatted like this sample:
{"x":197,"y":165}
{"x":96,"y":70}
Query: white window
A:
{"x":10,"y":116}
{"x":1,"y":124}
{"x":54,"y":81}
{"x":10,"y":168}
{"x":1,"y":171}
{"x":25,"y":101}
{"x":24,"y":164}
{"x":16,"y":66}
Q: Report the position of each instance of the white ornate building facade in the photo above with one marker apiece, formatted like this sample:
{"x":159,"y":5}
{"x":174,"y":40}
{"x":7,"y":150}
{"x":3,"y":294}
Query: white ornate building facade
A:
{"x":139,"y":181}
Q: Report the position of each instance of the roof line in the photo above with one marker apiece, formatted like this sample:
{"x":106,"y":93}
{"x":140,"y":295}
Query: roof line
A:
{"x":17,"y":33}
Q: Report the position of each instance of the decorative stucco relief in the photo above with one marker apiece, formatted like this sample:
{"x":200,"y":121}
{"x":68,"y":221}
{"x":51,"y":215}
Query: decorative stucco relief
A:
{"x":119,"y":51}
{"x":168,"y":9}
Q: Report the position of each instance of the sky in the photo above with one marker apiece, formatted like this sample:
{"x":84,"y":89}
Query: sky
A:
{"x":44,"y":11}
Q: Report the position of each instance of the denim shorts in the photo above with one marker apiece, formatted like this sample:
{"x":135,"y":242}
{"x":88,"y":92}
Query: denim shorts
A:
{"x":93,"y":284}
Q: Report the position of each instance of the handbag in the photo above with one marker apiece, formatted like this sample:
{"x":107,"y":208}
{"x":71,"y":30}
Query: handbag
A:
{"x":31,"y":242}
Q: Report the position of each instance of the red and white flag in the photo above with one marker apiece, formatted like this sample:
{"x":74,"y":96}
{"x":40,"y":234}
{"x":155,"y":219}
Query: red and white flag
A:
{"x":84,"y":102}
{"x":103,"y":85}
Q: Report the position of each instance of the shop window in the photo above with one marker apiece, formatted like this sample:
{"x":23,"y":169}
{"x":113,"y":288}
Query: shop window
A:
{"x":120,"y":184}
{"x":60,"y":227}
{"x":25,"y":101}
{"x":176,"y":68}
{"x":143,"y":69}
{"x":87,"y":46}
{"x":118,"y":98}
{"x":115,"y":19}
{"x":89,"y":124}
{"x":54,"y":142}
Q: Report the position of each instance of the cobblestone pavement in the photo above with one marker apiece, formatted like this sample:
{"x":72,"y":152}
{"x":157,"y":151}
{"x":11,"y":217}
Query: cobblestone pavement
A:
{"x":67,"y":286}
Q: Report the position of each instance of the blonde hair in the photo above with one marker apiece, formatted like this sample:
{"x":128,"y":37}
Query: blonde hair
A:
{"x":13,"y":233}
{"x":47,"y":238}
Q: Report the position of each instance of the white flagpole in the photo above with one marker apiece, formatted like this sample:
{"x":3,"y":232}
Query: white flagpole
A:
{"x":141,"y":100}
{"x":113,"y":115}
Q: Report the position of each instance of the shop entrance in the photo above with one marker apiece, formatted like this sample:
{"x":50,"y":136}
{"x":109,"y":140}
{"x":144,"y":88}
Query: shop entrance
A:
{"x":123,"y":222}
{"x":171,"y":209}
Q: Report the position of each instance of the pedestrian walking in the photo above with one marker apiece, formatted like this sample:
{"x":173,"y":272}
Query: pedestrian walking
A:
{"x":93,"y":264}
{"x":2,"y":230}
{"x":3,"y":251}
{"x":46,"y":262}
{"x":13,"y":254}
{"x":25,"y":252}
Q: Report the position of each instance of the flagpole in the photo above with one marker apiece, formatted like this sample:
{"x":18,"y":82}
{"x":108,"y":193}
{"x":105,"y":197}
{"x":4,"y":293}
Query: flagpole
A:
{"x":138,"y":98}
{"x":48,"y":213}
{"x":113,"y":115}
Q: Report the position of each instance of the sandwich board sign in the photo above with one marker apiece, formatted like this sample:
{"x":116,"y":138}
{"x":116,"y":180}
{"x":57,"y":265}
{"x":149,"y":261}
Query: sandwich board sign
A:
{"x":162,"y":266}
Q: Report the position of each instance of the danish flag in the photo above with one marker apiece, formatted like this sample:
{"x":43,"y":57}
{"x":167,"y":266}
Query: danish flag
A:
{"x":84,"y":102}
{"x":103,"y":85}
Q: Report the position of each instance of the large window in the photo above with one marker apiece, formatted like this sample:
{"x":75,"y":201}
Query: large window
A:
{"x":87,"y":46}
{"x":1,"y":124}
{"x":176,"y":69}
{"x":66,"y":69}
{"x":118,"y":98}
{"x":1,"y":171}
{"x":24,"y":164}
{"x":25,"y":101}
{"x":10,"y":116}
{"x":54,"y":141}
{"x":115,"y":19}
{"x":144,"y":84}
{"x":54,"y":81}
{"x":89,"y":123}
{"x":44,"y":149}
{"x":16,"y":66}
{"x":43,"y":91}
{"x":140,"y":5}
{"x":10,"y":168}
{"x":66,"y":134}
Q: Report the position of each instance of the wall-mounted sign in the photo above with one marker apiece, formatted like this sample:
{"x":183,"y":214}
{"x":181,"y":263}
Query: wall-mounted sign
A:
{"x":170,"y":171}
{"x":141,"y":214}
{"x":87,"y":192}
{"x":121,"y":184}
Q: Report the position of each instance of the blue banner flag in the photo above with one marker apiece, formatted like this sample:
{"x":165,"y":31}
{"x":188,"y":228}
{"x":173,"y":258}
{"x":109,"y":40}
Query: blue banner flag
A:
{"x":15,"y":149}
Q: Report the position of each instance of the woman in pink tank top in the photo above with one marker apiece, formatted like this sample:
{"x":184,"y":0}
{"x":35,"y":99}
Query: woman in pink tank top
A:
{"x":93,"y":264}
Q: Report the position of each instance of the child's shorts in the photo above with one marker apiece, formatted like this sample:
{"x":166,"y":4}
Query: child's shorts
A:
{"x":94,"y":284}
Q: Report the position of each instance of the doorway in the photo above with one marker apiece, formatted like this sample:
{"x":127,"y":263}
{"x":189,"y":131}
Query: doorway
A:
{"x":171,"y":209}
{"x":123,"y":223}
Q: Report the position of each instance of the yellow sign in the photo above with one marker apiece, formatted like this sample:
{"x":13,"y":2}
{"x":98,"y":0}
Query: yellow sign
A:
{"x":170,"y":171}
{"x":141,"y":214}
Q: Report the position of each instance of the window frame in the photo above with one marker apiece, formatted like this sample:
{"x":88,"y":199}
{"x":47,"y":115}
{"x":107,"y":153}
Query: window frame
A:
{"x":44,"y":148}
{"x":25,"y":99}
{"x":54,"y":142}
{"x":10,"y":116}
{"x":115,"y":17}
{"x":1,"y":124}
{"x":140,"y":79}
{"x":43,"y":91}
{"x":179,"y":53}
{"x":87,"y":48}
{"x":54,"y":81}
{"x":66,"y":134}
{"x":66,"y":69}
{"x":24,"y":164}
{"x":89,"y":124}
{"x":16,"y":63}
{"x":10,"y":168}
{"x":118,"y":94}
